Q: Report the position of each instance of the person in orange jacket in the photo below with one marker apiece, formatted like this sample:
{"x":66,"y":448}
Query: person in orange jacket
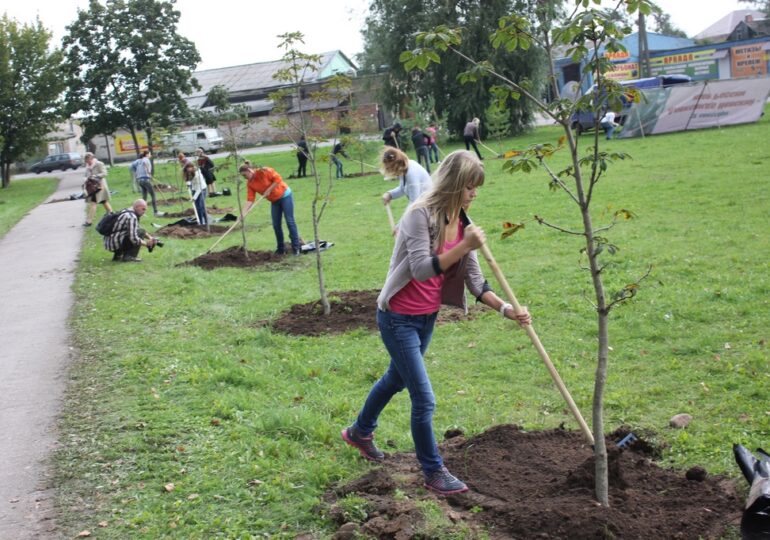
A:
{"x":268,"y":182}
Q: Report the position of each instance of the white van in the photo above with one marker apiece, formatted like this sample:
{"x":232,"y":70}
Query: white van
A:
{"x":189,"y":141}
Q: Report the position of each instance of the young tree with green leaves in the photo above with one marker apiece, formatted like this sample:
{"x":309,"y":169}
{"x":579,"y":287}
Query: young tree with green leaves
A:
{"x":498,"y":125}
{"x":295,"y":95}
{"x":128,"y":67}
{"x":584,"y":32}
{"x":230,"y":115}
{"x":31,"y":83}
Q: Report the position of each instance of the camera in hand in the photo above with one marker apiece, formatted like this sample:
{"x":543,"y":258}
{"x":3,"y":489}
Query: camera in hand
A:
{"x":152,"y":246}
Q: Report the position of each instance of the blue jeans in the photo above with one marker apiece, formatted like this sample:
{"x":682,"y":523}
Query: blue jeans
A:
{"x":406,"y":337}
{"x":433,"y":153}
{"x":200,"y":208}
{"x":284,"y":207}
{"x":423,"y":157}
{"x":338,"y":163}
{"x":609,"y":129}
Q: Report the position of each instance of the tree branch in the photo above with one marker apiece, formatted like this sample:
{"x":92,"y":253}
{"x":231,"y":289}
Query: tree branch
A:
{"x":541,"y":221}
{"x":558,"y":181}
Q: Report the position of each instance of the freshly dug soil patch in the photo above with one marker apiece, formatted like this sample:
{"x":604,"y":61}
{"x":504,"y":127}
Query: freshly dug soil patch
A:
{"x":233,"y":257}
{"x":189,"y":212}
{"x":540,"y":485}
{"x":166,"y":188}
{"x":173,"y":200}
{"x":197,"y":231}
{"x":349,"y":310}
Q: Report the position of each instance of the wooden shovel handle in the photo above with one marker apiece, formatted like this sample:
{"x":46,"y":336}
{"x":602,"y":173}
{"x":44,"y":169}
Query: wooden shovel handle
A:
{"x":390,"y":218}
{"x":237,"y":221}
{"x":539,"y":346}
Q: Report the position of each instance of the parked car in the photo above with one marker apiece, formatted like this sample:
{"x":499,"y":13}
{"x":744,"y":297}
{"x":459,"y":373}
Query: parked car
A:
{"x":585,"y":120}
{"x":69,"y":160}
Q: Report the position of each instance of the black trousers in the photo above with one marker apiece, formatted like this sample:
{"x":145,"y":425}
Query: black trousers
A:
{"x":470,"y":141}
{"x":302,"y":169}
{"x":128,"y":249}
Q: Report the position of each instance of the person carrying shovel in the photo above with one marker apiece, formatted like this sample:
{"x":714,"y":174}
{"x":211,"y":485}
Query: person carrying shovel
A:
{"x":434,"y":259}
{"x":268,"y":182}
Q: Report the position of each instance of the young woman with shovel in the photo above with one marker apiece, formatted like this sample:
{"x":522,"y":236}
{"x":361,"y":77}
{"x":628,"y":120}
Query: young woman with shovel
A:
{"x":433,"y":260}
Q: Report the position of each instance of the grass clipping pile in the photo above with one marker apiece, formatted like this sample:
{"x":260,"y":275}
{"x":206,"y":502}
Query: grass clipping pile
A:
{"x":534,"y":485}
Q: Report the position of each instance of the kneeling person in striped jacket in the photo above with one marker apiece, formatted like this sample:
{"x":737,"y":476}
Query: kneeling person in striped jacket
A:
{"x":127,"y":238}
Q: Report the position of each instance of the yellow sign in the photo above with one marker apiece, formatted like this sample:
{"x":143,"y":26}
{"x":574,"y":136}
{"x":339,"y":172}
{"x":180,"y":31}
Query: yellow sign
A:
{"x":623,"y":72}
{"x":124,"y":144}
{"x":617,"y":55}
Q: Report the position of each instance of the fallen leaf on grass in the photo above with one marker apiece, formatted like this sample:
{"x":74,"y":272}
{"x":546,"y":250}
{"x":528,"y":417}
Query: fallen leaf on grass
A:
{"x":84,"y":534}
{"x":103,"y":524}
{"x":215,"y":421}
{"x":255,"y":482}
{"x":169,"y":487}
{"x":192,"y":496}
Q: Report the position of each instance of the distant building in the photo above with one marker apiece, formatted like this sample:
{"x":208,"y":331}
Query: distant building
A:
{"x":250,"y":85}
{"x":750,"y":30}
{"x":720,"y":30}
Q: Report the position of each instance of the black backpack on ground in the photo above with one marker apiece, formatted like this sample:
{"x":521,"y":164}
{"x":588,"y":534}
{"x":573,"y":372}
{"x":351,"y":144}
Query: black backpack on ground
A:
{"x":107,"y":223}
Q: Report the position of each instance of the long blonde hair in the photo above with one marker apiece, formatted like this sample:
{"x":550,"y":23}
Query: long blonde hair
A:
{"x":459,"y":170}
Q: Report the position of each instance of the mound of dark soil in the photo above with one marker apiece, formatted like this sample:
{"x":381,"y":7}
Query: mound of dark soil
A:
{"x":540,"y":485}
{"x":196,"y":231}
{"x":173,"y":200}
{"x":349,"y":310}
{"x":165,"y":188}
{"x":190,"y":212}
{"x":234,"y":257}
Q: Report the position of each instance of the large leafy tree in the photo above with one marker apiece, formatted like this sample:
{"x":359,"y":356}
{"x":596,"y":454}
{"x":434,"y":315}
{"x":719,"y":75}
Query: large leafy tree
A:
{"x":391,"y":27}
{"x":128,"y":67}
{"x":31,"y":84}
{"x":761,"y":5}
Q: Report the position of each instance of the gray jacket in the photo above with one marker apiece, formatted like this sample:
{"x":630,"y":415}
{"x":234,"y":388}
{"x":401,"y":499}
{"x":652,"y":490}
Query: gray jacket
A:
{"x":414,"y":183}
{"x":414,"y":258}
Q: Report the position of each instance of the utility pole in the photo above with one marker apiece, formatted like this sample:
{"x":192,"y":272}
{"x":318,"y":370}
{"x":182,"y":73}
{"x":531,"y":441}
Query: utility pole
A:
{"x":644,"y":48}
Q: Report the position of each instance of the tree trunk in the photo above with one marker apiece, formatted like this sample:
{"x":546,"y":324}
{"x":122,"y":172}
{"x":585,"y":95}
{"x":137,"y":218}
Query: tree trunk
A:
{"x":318,"y":259}
{"x":5,"y":172}
{"x":601,"y":486}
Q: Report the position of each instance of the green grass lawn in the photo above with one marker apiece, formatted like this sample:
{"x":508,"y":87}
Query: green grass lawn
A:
{"x":180,"y":384}
{"x":21,"y":197}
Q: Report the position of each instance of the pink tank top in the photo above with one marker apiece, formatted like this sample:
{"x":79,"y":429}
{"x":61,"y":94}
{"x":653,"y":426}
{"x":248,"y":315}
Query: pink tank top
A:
{"x":423,"y":297}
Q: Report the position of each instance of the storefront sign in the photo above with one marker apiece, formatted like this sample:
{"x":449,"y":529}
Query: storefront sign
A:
{"x":748,"y":61}
{"x":699,"y":65}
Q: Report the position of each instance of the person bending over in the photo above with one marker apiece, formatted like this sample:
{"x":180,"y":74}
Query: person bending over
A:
{"x":126,"y":238}
{"x":268,"y":182}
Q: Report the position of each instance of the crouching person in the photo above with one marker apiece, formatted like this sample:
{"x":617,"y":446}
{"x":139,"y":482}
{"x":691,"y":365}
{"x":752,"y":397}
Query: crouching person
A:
{"x":126,"y":238}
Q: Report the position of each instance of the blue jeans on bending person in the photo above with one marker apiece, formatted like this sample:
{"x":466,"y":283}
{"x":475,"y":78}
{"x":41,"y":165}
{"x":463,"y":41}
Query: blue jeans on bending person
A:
{"x":200,"y":208}
{"x":406,"y":337}
{"x":146,"y":186}
{"x":284,"y":207}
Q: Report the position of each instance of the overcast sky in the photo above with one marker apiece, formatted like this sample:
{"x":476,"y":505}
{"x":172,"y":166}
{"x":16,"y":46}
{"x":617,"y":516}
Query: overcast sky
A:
{"x":234,"y":32}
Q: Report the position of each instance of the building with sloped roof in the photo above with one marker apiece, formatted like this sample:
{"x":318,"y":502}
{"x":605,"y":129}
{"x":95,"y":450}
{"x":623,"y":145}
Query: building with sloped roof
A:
{"x":251,"y":85}
{"x":724,"y":26}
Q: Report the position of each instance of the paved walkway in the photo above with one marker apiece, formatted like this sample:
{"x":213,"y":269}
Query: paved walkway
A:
{"x":39,"y":256}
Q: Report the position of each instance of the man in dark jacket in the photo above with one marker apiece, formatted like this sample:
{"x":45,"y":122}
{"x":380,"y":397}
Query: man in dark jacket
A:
{"x":421,"y":142}
{"x":390,"y":136}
